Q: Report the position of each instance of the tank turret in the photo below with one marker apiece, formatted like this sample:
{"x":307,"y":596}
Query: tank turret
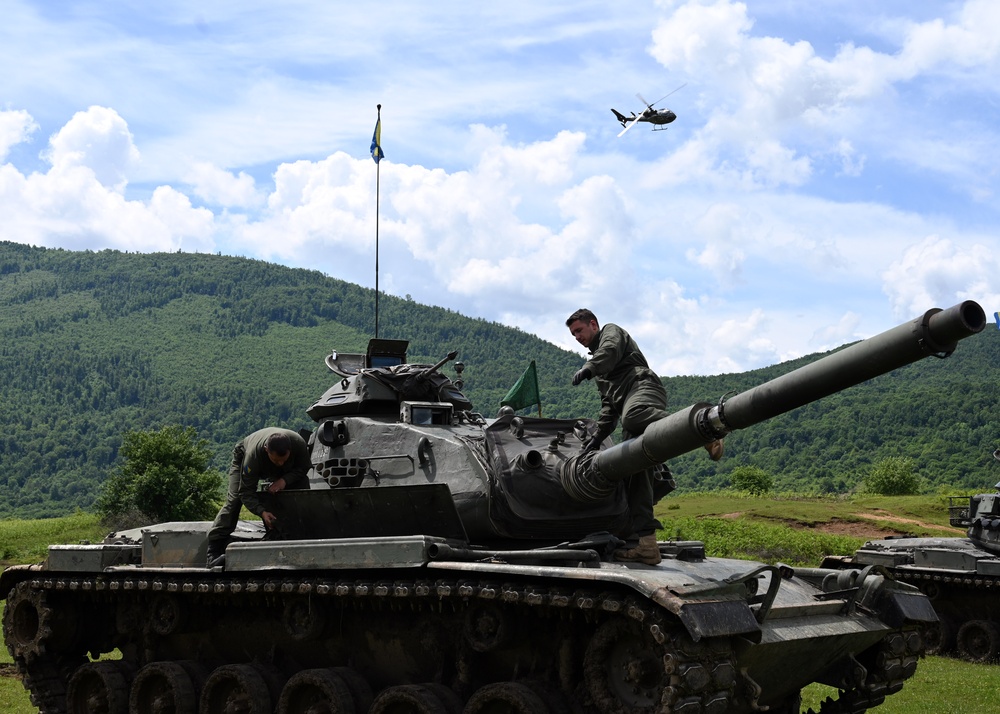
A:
{"x":445,"y":562}
{"x":525,"y":478}
{"x":982,"y":518}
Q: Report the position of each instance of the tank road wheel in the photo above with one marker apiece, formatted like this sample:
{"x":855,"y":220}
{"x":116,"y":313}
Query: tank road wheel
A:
{"x":316,"y":691}
{"x":408,"y":699}
{"x":447,"y":696}
{"x":235,"y":689}
{"x":163,"y":688}
{"x":979,"y":641}
{"x":623,"y":670}
{"x":361,"y":692}
{"x":486,"y":627}
{"x":32,"y":627}
{"x":303,"y":620}
{"x":98,"y":688}
{"x":166,"y":614}
{"x":939,"y":637}
{"x":506,"y":698}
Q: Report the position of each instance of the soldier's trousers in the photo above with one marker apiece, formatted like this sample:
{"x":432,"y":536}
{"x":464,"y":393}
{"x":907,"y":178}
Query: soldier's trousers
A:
{"x":646,"y":403}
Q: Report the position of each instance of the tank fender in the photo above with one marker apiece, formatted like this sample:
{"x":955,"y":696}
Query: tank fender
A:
{"x":722,"y":611}
{"x":14,"y":574}
{"x":897,"y":607}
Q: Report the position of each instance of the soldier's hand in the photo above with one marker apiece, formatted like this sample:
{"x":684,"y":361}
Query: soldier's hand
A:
{"x":269,"y":519}
{"x":594,"y":443}
{"x":715,"y":449}
{"x":581,"y":375}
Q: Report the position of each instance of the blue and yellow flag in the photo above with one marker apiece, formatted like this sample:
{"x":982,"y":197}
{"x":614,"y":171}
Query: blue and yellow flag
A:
{"x":377,"y":154}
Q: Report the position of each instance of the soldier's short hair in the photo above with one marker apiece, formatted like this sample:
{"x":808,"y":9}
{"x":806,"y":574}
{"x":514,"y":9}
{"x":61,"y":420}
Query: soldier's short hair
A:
{"x":582,"y":314}
{"x":277,"y":444}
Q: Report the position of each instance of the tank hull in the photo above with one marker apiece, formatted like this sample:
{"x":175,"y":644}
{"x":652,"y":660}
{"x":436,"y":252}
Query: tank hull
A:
{"x":692,"y":634}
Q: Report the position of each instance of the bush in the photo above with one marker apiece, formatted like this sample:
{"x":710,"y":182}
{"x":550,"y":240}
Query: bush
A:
{"x":161,"y":476}
{"x":893,"y":476}
{"x":752,"y":479}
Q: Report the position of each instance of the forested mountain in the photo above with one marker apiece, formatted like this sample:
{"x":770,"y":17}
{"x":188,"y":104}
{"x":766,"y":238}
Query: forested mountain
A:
{"x":94,"y":344}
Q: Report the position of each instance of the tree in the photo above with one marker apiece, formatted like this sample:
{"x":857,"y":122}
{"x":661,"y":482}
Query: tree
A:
{"x":752,"y":479}
{"x":892,"y":476}
{"x":161,"y":476}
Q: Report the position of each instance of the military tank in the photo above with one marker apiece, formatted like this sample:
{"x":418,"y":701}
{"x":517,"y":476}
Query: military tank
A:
{"x":442,"y":562}
{"x":961,"y":576}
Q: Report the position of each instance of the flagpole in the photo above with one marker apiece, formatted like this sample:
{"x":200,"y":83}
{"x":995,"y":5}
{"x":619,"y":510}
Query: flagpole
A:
{"x":378,"y":177}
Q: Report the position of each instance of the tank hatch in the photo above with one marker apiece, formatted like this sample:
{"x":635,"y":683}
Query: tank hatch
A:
{"x":381,"y":353}
{"x":381,"y":380}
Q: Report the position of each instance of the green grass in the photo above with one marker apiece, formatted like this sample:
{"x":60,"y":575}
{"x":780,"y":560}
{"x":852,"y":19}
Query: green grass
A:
{"x":794,"y":529}
{"x":25,"y":541}
{"x":752,"y":540}
{"x":940,"y":686}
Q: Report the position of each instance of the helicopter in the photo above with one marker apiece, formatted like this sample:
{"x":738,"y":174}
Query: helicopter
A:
{"x":659,"y":118}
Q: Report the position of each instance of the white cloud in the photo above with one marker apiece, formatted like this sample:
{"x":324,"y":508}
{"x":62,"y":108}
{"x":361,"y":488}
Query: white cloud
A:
{"x":15,"y":127}
{"x":937,"y":272}
{"x":762,"y":94}
{"x":98,"y":140}
{"x":219,"y":187}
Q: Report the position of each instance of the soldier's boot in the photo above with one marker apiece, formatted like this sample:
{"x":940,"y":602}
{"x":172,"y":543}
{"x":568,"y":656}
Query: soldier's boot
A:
{"x":648,"y":551}
{"x":216,"y":554}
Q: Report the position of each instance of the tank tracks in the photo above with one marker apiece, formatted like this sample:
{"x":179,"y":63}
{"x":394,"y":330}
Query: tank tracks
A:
{"x":965,"y":604}
{"x":636,"y":658}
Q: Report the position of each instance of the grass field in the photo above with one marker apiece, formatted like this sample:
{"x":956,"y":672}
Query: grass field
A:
{"x":779,"y":528}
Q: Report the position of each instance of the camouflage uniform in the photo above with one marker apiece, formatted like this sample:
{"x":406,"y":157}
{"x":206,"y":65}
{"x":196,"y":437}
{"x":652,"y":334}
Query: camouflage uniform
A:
{"x":632,"y":392}
{"x":249,"y":467}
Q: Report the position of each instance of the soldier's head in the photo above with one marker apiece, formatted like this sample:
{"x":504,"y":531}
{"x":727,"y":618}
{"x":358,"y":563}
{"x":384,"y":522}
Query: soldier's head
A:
{"x":583,"y":326}
{"x":278,"y":447}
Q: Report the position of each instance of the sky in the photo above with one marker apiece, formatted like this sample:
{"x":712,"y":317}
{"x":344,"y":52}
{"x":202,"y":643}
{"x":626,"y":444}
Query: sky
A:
{"x":832,"y":171}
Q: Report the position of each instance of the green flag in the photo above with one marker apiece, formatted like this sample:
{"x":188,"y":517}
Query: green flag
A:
{"x":525,"y":392}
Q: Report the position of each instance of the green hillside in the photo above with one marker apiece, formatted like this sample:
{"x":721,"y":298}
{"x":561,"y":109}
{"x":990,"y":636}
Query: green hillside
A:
{"x":94,"y":344}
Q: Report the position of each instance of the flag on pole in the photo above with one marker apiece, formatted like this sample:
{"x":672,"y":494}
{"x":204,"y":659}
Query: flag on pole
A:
{"x":377,"y":154}
{"x":525,"y":392}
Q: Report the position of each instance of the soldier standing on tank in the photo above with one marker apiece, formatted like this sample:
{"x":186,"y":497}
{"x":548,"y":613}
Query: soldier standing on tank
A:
{"x":632,"y":392}
{"x":277,"y":456}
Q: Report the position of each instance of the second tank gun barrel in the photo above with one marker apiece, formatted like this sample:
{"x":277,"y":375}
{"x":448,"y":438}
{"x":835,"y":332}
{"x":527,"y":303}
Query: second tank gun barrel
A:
{"x":435,"y":367}
{"x":935,"y":333}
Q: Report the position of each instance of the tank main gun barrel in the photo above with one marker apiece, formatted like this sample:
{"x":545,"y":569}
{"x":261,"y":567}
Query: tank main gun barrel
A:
{"x":936,"y":333}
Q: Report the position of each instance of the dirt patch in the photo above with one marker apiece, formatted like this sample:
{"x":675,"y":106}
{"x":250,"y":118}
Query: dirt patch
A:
{"x":857,"y":529}
{"x":886,"y":516}
{"x":872,"y":525}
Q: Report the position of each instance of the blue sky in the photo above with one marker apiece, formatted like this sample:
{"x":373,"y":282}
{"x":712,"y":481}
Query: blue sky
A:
{"x":832,"y":171}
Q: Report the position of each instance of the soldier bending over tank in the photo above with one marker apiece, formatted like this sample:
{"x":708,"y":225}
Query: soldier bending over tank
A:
{"x":278,"y":456}
{"x":632,"y":392}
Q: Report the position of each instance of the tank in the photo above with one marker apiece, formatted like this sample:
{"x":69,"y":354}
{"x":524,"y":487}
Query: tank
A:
{"x":442,"y":562}
{"x":961,"y":576}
